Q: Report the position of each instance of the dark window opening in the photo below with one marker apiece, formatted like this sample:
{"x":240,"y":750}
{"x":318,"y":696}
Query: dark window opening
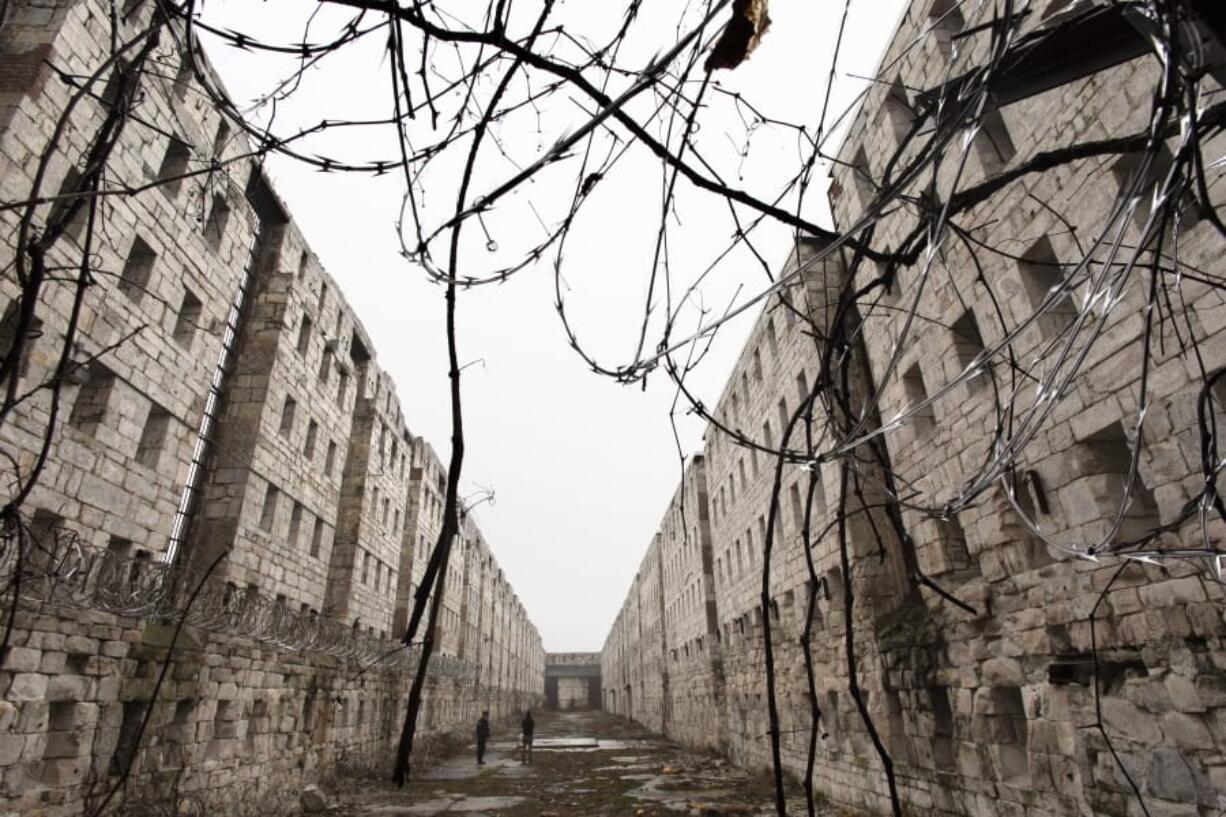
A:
{"x":916,"y":395}
{"x":899,"y":112}
{"x":308,"y":448}
{"x":8,"y":337}
{"x":317,"y":536}
{"x":330,"y":458}
{"x":153,"y":437}
{"x":325,"y":366}
{"x":222,"y":136}
{"x":174,"y":165}
{"x":953,"y":544}
{"x":70,"y":195}
{"x":993,"y":145}
{"x":295,"y":524}
{"x":288,"y":410}
{"x":342,"y":388}
{"x":129,"y":728}
{"x":130,"y":7}
{"x":862,"y":177}
{"x":110,"y":92}
{"x":268,"y":514}
{"x":1042,"y":274}
{"x":89,"y":410}
{"x":1107,"y":455}
{"x":945,"y":23}
{"x":1005,"y":725}
{"x":183,"y":76}
{"x":188,"y":320}
{"x":134,"y":280}
{"x":968,"y":345}
{"x":304,"y":335}
{"x":943,"y":756}
{"x":219,"y":217}
{"x":1135,"y":176}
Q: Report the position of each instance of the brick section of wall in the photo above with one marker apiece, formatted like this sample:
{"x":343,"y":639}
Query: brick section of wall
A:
{"x":991,"y":712}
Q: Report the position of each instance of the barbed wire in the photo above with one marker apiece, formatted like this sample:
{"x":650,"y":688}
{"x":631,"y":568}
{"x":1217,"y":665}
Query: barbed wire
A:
{"x":58,"y":570}
{"x":459,"y":86}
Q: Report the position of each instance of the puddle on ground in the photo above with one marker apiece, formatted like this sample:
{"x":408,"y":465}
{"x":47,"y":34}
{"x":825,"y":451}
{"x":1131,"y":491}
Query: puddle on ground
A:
{"x":471,"y":804}
{"x":586,"y":765}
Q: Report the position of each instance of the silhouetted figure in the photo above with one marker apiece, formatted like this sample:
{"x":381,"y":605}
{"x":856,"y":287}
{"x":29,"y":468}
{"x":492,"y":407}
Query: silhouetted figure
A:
{"x":483,"y":734}
{"x":528,"y":726}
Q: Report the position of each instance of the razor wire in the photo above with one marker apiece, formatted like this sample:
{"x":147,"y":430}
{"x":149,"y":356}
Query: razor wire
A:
{"x":53,"y":568}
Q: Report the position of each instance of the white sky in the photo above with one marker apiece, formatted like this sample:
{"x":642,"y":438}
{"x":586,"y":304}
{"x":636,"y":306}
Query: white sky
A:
{"x":582,"y":467}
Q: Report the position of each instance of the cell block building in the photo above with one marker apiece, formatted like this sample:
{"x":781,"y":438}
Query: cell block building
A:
{"x":187,"y":394}
{"x":1042,"y":638}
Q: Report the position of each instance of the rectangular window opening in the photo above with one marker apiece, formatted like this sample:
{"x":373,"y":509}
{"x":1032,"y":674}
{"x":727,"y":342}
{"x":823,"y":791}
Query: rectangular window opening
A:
{"x":1109,"y":452}
{"x":188,"y":319}
{"x":89,"y":409}
{"x":153,"y":436}
{"x":993,"y":145}
{"x":317,"y":537}
{"x":916,"y":394}
{"x":215,"y":226}
{"x":308,"y":448}
{"x":1042,"y":274}
{"x":173,"y":167}
{"x":134,"y":280}
{"x":953,"y":543}
{"x":304,"y":335}
{"x":288,"y":410}
{"x":943,"y":754}
{"x":183,"y":76}
{"x":945,"y":22}
{"x":70,"y":195}
{"x":222,"y":136}
{"x":968,"y":345}
{"x":798,"y":508}
{"x":295,"y":523}
{"x":342,"y":387}
{"x":8,"y":337}
{"x":899,"y":111}
{"x":861,"y":174}
{"x":268,"y":514}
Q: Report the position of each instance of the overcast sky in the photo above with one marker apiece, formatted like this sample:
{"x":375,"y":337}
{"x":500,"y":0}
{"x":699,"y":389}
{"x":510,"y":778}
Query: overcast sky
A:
{"x":582,"y":467}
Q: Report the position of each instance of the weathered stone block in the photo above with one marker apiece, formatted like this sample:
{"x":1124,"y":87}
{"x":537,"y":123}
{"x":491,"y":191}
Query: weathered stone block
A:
{"x":28,"y":687}
{"x":23,"y":659}
{"x":68,"y":688}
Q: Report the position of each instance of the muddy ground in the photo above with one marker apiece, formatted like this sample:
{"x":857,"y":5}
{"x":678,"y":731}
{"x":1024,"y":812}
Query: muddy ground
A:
{"x":585,"y":764}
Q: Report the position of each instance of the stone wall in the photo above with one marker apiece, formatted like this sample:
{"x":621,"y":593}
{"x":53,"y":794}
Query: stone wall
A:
{"x":988,"y":709}
{"x":572,"y":693}
{"x":221,"y":403}
{"x":572,"y":680}
{"x":233,"y":721}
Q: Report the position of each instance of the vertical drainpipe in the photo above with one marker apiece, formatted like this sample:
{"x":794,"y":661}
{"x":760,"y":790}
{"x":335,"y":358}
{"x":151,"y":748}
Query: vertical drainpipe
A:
{"x":195,"y":471}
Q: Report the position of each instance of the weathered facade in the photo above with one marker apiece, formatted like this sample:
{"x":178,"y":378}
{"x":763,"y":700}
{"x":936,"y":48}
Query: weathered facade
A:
{"x":988,"y":708}
{"x":221,"y":412}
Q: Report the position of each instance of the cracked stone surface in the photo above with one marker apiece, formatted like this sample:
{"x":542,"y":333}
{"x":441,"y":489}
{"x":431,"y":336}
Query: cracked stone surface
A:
{"x":585,"y":764}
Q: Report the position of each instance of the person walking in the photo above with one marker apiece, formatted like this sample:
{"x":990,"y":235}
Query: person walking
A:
{"x":528,"y":726}
{"x":483,"y":734}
